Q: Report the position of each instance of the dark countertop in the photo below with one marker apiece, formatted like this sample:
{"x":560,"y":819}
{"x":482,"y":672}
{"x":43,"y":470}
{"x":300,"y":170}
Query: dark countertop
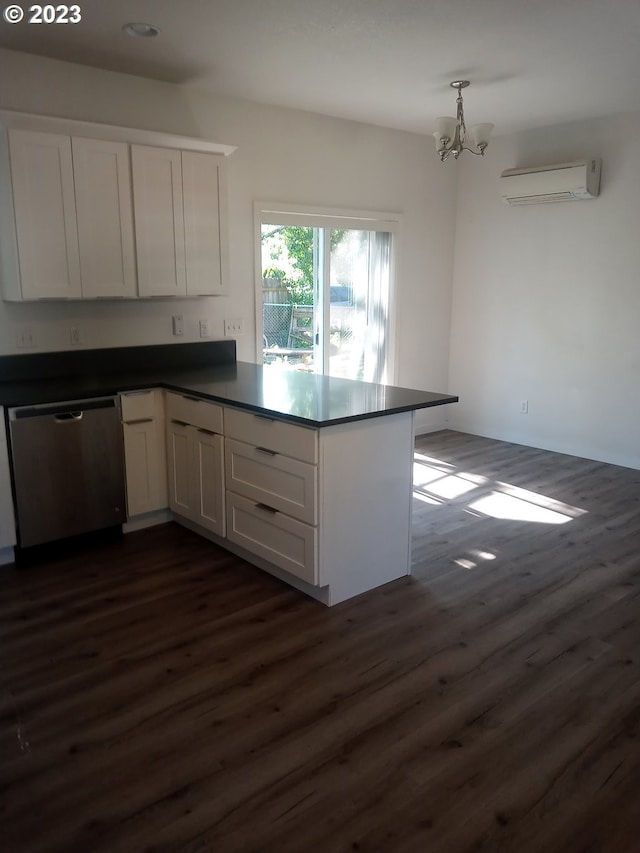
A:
{"x":305,"y":398}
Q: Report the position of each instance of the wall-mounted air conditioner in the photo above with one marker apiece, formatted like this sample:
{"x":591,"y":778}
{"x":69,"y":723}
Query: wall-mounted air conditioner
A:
{"x":565,"y":182}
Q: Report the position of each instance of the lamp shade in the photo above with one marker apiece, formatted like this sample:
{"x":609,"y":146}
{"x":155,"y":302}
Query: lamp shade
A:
{"x":445,"y":128}
{"x":440,"y":144}
{"x":480,"y":134}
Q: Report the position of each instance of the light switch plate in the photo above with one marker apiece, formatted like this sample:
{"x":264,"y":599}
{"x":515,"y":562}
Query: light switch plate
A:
{"x":25,"y":338}
{"x":178,"y":324}
{"x":233,"y":328}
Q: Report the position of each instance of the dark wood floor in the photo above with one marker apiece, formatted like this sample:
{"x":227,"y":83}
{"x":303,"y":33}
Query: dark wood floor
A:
{"x":158,"y":694}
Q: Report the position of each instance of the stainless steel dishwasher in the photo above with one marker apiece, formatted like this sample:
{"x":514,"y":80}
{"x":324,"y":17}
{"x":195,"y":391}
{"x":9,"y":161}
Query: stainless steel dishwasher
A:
{"x":68,"y":469}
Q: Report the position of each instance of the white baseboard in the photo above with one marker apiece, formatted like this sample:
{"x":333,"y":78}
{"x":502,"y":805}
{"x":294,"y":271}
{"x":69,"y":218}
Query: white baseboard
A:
{"x":431,"y":420}
{"x":426,"y":429}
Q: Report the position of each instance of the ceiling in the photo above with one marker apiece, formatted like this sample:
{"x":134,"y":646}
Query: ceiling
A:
{"x":388,"y":62}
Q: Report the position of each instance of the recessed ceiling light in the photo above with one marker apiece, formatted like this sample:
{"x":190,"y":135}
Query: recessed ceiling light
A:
{"x":141,"y":30}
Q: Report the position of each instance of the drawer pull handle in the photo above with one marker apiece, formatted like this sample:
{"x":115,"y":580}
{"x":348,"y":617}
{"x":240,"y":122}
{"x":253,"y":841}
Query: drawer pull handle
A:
{"x":267,"y":451}
{"x":140,"y":421}
{"x":193,"y":399}
{"x":136,"y":393}
{"x":264,"y":418}
{"x":179,"y":423}
{"x":265,"y":508}
{"x":206,"y":431}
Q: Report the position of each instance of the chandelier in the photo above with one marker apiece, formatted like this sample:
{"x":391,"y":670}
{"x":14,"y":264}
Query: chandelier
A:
{"x":451,"y":133}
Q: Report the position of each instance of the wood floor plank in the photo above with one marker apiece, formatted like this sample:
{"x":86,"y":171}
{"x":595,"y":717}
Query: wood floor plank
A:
{"x":159,"y":694}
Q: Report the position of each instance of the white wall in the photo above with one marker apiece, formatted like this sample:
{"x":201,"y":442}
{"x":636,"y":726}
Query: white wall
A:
{"x":546,"y":299}
{"x":283,"y":155}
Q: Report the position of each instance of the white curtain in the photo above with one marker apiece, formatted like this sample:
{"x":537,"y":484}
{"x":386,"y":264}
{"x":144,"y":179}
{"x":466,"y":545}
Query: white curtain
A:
{"x":377,"y":337}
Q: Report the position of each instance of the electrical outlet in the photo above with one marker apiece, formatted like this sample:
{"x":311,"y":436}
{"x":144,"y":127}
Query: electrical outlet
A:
{"x":25,"y":338}
{"x":232,"y":328}
{"x":204,"y":328}
{"x":178,"y":325}
{"x":74,"y":336}
{"x":524,"y":407}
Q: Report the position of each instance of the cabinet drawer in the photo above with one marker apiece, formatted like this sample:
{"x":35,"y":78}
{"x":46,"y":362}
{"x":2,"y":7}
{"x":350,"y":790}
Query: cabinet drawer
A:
{"x":198,"y":413}
{"x":268,"y":477}
{"x":275,"y":537}
{"x":138,"y":405}
{"x":289,"y":439}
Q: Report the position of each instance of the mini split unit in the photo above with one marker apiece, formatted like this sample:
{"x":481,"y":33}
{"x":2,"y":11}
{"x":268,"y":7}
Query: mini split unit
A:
{"x":565,"y":182}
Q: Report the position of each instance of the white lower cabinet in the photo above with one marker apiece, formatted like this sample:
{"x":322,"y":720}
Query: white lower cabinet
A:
{"x":272,"y":491}
{"x":272,"y":479}
{"x":7,"y":520}
{"x":329,"y":506}
{"x":274,"y":536}
{"x":179,"y":468}
{"x":195,"y":453}
{"x":208,"y":475}
{"x":326,"y":509}
{"x":144,"y":451}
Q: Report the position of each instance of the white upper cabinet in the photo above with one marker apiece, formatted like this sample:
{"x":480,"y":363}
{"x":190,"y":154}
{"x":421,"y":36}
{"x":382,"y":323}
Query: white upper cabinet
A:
{"x":45,"y":215}
{"x":95,"y":211}
{"x":205,"y":223}
{"x":105,"y":220}
{"x":73,"y":218}
{"x":159,"y":220}
{"x":180,"y":221}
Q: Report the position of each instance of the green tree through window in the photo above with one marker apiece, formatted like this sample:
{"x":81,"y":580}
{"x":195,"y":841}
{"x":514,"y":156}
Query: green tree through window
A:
{"x":298,"y":243}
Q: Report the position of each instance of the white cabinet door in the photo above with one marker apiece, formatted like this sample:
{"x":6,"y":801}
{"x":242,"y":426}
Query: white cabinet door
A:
{"x":208,"y":480}
{"x":45,"y":214}
{"x":159,"y":220}
{"x":144,"y":450}
{"x":204,"y":223}
{"x":105,"y":218}
{"x":145,"y":467}
{"x":7,"y":520}
{"x":195,"y":460}
{"x":180,"y":469}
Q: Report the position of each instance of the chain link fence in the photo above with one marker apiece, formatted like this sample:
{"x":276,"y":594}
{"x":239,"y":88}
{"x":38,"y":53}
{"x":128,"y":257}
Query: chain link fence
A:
{"x":276,"y":319}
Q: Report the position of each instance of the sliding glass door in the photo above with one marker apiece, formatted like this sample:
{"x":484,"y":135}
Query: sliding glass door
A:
{"x":325,"y":295}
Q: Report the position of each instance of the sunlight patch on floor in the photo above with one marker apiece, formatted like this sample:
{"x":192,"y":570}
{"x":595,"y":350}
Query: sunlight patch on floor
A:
{"x":451,"y":486}
{"x":440,"y":479}
{"x":435,"y":482}
{"x":426,"y":499}
{"x":499,"y":505}
{"x":483,"y":555}
{"x":478,"y":555}
{"x":465,"y":564}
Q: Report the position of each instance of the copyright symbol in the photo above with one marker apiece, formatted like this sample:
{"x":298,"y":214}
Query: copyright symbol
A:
{"x":13,"y":14}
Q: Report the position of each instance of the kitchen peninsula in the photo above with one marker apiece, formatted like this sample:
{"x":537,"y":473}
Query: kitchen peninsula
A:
{"x":306,"y":476}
